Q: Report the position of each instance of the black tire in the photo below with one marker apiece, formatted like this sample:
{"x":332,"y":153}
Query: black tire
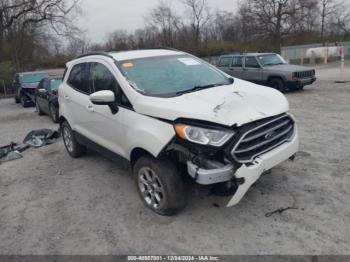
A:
{"x":166,"y":182}
{"x":73,"y":148}
{"x":277,"y":83}
{"x":17,"y":100}
{"x":38,"y":109}
{"x":53,"y":113}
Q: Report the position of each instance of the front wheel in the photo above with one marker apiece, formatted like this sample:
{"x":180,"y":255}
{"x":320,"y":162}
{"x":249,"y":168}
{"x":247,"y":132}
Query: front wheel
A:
{"x":278,"y":84}
{"x":160,"y":185}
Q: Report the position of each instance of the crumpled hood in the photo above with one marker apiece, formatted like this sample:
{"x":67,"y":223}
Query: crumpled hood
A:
{"x":288,"y":68}
{"x":30,"y":85}
{"x":239,"y":103}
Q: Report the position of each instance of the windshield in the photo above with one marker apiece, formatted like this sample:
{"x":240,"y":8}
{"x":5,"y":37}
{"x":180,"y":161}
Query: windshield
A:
{"x":271,"y":59}
{"x":171,"y":75}
{"x":55,"y":83}
{"x":33,"y":78}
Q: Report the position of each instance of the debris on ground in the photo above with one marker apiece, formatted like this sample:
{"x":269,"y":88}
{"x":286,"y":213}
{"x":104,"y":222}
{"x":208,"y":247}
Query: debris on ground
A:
{"x":41,"y":137}
{"x":36,"y":139}
{"x":280,"y":211}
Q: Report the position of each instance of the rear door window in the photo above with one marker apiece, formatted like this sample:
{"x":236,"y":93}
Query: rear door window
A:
{"x":237,"y":61}
{"x":225,"y":62}
{"x":78,"y":78}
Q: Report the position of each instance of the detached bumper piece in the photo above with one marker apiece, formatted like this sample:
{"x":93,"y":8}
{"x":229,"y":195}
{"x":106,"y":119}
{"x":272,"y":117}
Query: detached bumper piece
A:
{"x":259,"y":149}
{"x":210,"y":176}
{"x":251,"y":173}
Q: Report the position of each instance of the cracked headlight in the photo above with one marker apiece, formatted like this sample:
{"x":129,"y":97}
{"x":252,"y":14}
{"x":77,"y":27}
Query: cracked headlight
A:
{"x":203,"y":136}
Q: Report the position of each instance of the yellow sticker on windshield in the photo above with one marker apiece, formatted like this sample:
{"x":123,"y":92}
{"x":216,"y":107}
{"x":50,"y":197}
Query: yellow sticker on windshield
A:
{"x":128,"y":65}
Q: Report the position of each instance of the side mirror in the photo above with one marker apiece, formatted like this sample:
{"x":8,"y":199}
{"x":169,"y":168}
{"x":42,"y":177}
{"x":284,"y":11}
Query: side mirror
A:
{"x":42,"y":91}
{"x":105,"y":97}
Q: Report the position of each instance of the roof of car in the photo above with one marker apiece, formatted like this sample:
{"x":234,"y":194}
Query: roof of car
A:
{"x":135,"y":54}
{"x":32,"y":73}
{"x":249,"y":54}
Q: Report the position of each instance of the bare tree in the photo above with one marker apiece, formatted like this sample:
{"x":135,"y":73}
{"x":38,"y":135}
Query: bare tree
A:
{"x":270,"y":18}
{"x":326,"y":11}
{"x":308,"y":16}
{"x":199,"y":16}
{"x":24,"y":13}
{"x":165,"y":20}
{"x":77,"y":46}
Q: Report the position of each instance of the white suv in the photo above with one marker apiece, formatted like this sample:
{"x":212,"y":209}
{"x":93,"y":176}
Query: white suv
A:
{"x":173,"y":115}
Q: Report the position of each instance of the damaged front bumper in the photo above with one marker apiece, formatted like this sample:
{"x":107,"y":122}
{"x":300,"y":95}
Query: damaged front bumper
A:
{"x":247,"y":174}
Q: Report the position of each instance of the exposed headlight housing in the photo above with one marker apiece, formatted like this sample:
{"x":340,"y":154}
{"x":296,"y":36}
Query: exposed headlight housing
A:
{"x":203,"y":136}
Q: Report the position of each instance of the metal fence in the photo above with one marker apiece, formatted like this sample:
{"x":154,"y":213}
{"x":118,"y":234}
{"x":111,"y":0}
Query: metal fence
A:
{"x":5,"y":90}
{"x":298,"y":52}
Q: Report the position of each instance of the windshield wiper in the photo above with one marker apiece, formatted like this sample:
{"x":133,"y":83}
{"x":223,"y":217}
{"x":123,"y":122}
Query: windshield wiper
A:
{"x":198,"y":88}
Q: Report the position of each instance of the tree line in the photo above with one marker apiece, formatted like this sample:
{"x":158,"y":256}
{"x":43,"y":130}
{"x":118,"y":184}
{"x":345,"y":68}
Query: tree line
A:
{"x":257,"y":25}
{"x":33,"y":32}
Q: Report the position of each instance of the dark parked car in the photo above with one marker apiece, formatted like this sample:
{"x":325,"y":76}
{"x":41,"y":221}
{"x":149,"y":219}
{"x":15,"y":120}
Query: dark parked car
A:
{"x":267,"y":69}
{"x":46,"y":97}
{"x":25,"y":84}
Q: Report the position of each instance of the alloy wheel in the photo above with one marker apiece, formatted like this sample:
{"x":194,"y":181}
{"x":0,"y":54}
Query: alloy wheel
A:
{"x":68,"y":139}
{"x":150,"y":187}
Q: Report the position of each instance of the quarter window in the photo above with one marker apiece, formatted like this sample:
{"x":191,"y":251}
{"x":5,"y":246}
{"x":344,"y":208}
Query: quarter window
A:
{"x":225,"y":61}
{"x":250,"y":61}
{"x":78,"y":78}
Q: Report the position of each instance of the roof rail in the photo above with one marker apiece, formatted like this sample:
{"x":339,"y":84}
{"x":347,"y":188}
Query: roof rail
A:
{"x":165,"y":47}
{"x":96,"y":53}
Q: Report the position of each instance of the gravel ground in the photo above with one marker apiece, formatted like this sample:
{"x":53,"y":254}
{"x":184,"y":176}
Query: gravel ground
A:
{"x":52,"y":204}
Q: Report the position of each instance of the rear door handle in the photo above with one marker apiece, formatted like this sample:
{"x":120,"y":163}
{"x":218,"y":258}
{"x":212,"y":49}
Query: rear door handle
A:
{"x":67,"y":97}
{"x":90,"y":108}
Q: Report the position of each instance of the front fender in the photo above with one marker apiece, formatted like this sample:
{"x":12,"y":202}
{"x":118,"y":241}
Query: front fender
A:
{"x":148,"y":133}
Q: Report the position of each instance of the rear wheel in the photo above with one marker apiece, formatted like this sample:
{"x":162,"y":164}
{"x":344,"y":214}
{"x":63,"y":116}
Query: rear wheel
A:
{"x":74,"y":149}
{"x":160,"y":185}
{"x":17,"y":100}
{"x":278,"y":84}
{"x":54,"y":113}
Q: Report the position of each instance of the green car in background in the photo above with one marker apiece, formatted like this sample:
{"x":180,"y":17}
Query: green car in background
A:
{"x":24,"y":85}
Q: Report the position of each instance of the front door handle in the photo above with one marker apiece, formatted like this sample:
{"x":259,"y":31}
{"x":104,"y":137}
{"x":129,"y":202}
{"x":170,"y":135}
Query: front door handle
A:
{"x":90,"y":108}
{"x":67,"y":97}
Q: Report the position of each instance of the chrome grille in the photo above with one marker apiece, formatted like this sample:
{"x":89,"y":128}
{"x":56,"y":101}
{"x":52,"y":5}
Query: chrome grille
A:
{"x":263,"y":137}
{"x":305,"y":74}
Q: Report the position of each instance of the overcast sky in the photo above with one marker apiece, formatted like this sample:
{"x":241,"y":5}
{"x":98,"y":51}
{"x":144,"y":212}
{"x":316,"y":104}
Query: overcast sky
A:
{"x":103,"y":16}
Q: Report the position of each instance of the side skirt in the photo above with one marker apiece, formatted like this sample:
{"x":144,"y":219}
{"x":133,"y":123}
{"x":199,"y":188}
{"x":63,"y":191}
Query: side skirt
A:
{"x":100,"y":149}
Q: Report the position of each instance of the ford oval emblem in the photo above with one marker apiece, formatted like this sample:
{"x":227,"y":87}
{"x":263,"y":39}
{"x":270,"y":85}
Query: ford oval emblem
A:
{"x":270,"y":135}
